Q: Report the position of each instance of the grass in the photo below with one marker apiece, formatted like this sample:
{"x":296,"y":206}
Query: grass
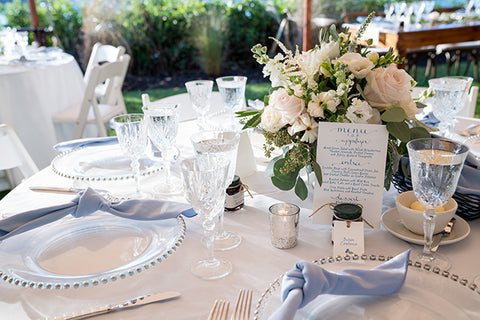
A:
{"x":133,"y":100}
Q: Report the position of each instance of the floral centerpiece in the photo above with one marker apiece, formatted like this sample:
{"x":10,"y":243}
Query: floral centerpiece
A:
{"x":337,"y":81}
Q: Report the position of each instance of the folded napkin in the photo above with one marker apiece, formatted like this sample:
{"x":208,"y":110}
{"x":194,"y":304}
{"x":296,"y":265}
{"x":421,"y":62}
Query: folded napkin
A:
{"x":68,"y":145}
{"x":87,"y":202}
{"x":307,"y":280}
{"x":469,"y":181}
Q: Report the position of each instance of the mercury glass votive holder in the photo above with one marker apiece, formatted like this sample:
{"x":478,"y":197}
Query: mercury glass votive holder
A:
{"x":284,"y":219}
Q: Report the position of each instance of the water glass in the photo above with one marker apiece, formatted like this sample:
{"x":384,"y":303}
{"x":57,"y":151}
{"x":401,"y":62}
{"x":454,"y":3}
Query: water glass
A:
{"x":132,"y":138}
{"x":435,"y":166}
{"x":232,"y":89}
{"x":200,"y":92}
{"x":162,"y":126}
{"x":449,"y":98}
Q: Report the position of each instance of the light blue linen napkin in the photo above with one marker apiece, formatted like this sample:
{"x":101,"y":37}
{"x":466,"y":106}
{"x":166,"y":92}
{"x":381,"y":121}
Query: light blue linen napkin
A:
{"x":307,"y":280}
{"x":69,"y":145}
{"x":87,"y":202}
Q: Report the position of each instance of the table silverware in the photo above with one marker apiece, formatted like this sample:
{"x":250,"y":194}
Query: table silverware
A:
{"x":243,"y":305}
{"x":135,"y":302}
{"x":61,"y":189}
{"x":219,"y":310}
{"x":445,"y":233}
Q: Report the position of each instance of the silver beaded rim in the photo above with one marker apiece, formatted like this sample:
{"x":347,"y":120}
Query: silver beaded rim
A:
{"x":5,"y":276}
{"x":416,"y":264}
{"x":94,"y":178}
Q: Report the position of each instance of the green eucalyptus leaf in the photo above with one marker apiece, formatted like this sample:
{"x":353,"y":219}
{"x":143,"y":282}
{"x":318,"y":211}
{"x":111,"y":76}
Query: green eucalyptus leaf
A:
{"x":419,"y":132}
{"x":318,"y":172}
{"x":269,"y":168}
{"x":396,"y":114}
{"x":290,"y":176}
{"x":301,"y":189}
{"x":283,"y":185}
{"x":420,"y":105}
{"x":399,"y":130}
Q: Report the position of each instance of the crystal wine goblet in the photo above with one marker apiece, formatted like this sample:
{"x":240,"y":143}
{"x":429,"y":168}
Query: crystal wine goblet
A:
{"x":162,"y":126}
{"x":449,"y":98}
{"x":200,"y":92}
{"x":435,"y":169}
{"x":205,"y":190}
{"x":132,"y":138}
{"x":217,"y":149}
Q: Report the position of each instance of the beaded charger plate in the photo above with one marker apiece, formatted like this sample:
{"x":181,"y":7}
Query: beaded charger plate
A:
{"x":427,"y":294}
{"x":100,"y":163}
{"x":84,"y":252}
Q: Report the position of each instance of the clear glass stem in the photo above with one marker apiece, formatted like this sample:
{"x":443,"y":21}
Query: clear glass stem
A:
{"x":136,"y":172}
{"x":428,"y":227}
{"x":209,"y":233}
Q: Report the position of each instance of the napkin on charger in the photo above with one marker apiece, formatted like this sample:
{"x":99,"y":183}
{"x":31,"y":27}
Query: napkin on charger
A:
{"x":88,"y":201}
{"x":307,"y":280}
{"x":69,"y":145}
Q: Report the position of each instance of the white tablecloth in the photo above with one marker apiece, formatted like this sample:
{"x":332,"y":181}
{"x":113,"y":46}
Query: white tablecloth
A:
{"x":31,"y":93}
{"x":255,"y":262}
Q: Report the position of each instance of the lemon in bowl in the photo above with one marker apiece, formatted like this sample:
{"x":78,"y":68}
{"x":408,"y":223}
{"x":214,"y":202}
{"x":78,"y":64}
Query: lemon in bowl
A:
{"x":411,"y":212}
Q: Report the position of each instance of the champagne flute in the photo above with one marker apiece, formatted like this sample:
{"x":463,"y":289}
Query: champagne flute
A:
{"x":435,"y":169}
{"x":162,"y":126}
{"x":205,"y":190}
{"x":132,"y":138}
{"x":217,"y":149}
{"x":200,"y":92}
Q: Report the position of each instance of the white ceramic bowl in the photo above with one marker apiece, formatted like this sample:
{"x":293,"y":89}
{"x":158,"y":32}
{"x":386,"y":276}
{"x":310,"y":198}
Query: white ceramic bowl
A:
{"x":413,"y":219}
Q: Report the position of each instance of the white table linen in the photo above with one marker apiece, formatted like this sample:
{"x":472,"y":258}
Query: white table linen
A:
{"x":31,"y":93}
{"x":256,"y":263}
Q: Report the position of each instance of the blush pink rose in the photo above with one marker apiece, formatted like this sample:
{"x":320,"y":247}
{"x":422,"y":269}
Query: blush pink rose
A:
{"x":290,"y":106}
{"x":388,"y":87}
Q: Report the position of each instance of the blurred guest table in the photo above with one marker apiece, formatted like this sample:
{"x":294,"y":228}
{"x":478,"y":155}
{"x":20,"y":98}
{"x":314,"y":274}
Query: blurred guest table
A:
{"x":256,"y":263}
{"x":385,"y":35}
{"x":32,"y":90}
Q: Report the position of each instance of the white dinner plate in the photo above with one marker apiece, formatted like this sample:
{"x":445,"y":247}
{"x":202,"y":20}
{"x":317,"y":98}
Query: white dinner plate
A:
{"x":393,"y":223}
{"x":425,"y":295}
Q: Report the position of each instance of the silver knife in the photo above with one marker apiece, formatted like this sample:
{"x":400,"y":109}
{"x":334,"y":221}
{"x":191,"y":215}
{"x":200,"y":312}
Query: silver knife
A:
{"x":61,"y":190}
{"x":135,"y":302}
{"x":445,"y":233}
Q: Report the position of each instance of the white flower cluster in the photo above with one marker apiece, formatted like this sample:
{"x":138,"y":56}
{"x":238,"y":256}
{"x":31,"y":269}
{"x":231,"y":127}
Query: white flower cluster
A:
{"x":322,"y":85}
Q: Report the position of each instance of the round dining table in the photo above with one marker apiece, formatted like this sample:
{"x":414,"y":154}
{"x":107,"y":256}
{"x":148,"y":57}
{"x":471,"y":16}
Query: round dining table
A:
{"x":256,"y":263}
{"x":33,"y":90}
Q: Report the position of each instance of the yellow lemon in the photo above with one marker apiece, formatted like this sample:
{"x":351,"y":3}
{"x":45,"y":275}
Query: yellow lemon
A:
{"x":417,"y":205}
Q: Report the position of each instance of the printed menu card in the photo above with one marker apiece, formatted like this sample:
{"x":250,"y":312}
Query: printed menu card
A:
{"x":352,"y":159}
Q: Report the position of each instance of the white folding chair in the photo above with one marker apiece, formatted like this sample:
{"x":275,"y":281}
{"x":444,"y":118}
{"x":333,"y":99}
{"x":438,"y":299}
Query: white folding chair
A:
{"x":14,"y":156}
{"x":102,"y":53}
{"x":91,"y":110}
{"x":186,"y":111}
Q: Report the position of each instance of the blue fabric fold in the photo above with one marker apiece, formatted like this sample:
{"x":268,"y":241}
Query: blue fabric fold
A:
{"x":69,"y":145}
{"x":307,"y":280}
{"x":89,"y":201}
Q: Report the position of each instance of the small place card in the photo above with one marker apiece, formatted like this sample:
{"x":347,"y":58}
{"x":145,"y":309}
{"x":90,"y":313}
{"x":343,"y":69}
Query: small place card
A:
{"x":352,"y":158}
{"x":347,"y":238}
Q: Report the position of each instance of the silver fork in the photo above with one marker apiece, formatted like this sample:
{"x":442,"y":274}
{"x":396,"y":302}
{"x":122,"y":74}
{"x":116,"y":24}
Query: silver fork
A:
{"x":243,"y":305}
{"x":219,"y":310}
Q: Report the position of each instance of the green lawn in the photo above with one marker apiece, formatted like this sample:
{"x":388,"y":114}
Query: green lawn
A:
{"x":133,"y":100}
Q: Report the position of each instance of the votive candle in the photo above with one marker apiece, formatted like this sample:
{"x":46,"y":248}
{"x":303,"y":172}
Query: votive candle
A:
{"x":284,"y":225}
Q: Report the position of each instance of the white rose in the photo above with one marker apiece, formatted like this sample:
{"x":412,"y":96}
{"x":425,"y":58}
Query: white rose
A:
{"x":357,"y":64}
{"x":390,"y":87}
{"x":361,"y":112}
{"x":272,"y":119}
{"x":290,"y":106}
